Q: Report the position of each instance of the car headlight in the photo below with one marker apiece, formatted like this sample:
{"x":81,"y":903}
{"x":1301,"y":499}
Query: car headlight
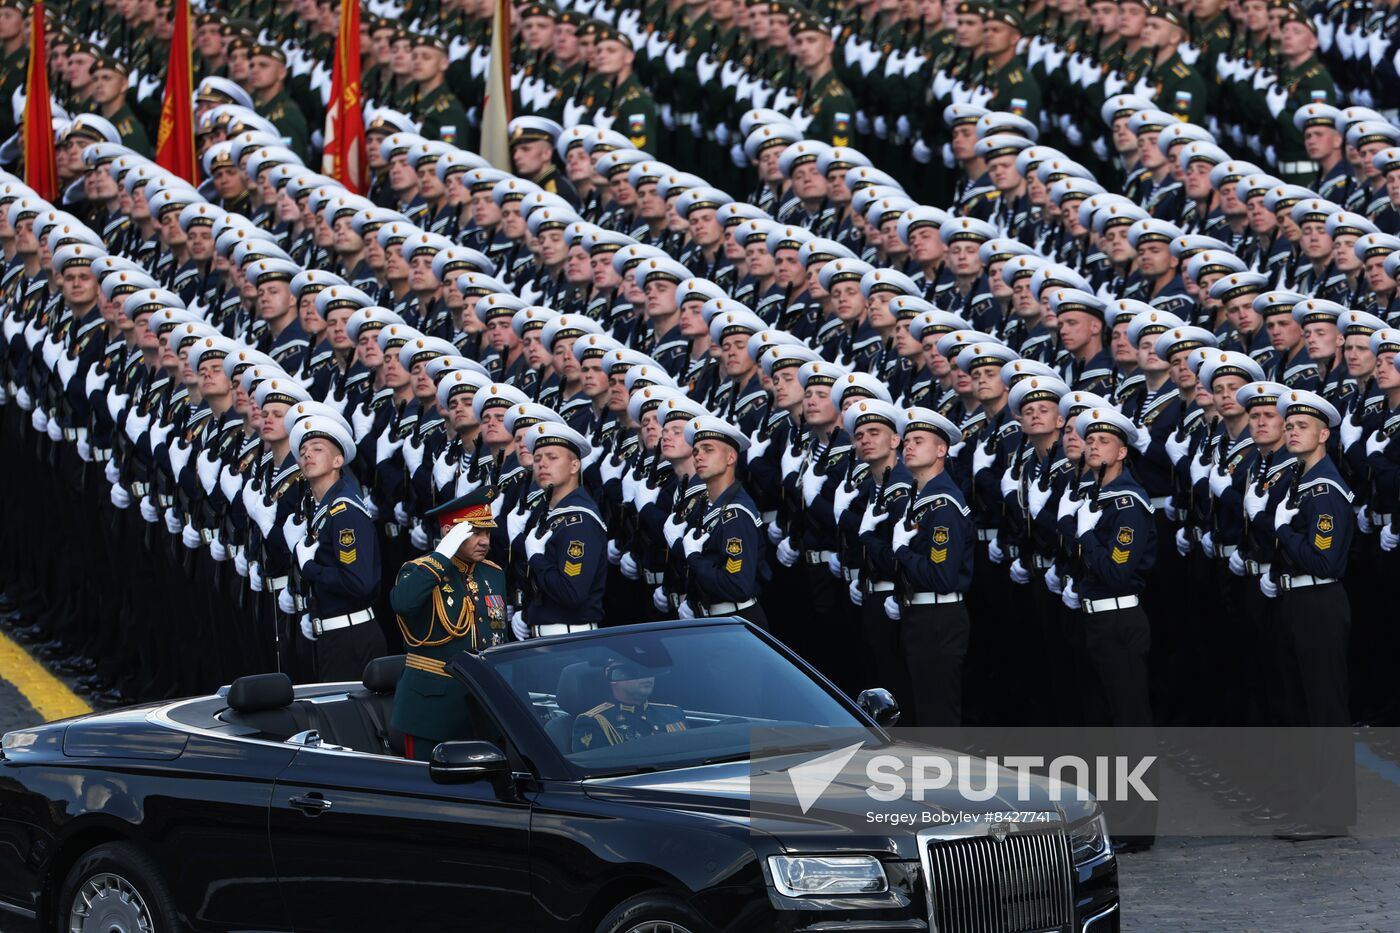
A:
{"x":830,"y":875}
{"x":1090,"y":840}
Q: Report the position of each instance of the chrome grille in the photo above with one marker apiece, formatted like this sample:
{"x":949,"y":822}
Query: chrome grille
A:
{"x":1019,"y":883}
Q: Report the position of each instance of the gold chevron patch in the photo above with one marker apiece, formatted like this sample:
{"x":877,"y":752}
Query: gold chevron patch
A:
{"x":1322,"y":542}
{"x":734,"y":566}
{"x":938,"y":555}
{"x":1119,"y":555}
{"x":348,"y":557}
{"x":573,"y":568}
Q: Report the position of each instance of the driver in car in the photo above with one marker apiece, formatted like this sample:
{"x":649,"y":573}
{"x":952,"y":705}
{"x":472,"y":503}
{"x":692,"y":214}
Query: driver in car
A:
{"x":630,"y":715}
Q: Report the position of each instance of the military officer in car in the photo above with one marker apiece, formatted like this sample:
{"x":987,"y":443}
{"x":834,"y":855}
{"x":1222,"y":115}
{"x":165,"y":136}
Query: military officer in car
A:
{"x":630,"y":714}
{"x":448,"y":601}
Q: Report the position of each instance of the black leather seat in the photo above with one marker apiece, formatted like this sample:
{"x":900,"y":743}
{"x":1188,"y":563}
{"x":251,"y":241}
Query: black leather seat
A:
{"x":264,"y":703}
{"x":374,"y":705}
{"x":580,"y":689}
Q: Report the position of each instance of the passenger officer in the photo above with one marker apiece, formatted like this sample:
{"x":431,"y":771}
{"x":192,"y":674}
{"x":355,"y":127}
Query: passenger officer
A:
{"x":630,"y":714}
{"x":934,"y":549}
{"x":338,"y":554}
{"x":448,"y":601}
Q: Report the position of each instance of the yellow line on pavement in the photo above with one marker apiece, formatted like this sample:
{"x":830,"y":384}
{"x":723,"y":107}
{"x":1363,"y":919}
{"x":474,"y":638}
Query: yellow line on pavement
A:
{"x":49,"y":696}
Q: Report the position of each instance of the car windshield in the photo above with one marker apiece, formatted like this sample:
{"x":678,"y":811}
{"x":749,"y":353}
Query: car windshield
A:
{"x":652,"y":700}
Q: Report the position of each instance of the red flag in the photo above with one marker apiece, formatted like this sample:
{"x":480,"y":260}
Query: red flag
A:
{"x":40,"y":167}
{"x":344,"y":158}
{"x":175,"y":142}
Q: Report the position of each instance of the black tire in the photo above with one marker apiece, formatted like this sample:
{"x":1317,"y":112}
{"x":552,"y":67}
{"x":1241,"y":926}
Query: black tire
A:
{"x":671,"y":914}
{"x":111,"y":869}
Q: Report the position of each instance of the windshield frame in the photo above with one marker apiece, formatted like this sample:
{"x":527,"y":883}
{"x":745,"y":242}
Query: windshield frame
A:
{"x":517,"y":714}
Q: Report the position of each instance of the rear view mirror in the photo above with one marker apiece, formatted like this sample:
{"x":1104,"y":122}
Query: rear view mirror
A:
{"x":880,"y":705}
{"x":463,"y":762}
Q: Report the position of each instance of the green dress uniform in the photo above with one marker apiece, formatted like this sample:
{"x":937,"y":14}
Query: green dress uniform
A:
{"x":284,"y":114}
{"x":634,"y":113}
{"x":1014,"y":90}
{"x":14,"y":71}
{"x":1181,"y":91}
{"x":132,"y":132}
{"x":442,"y":116}
{"x":831,"y":108}
{"x":1309,"y":83}
{"x":444,"y":607}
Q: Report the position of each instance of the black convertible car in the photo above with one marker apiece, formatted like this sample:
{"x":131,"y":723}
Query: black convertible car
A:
{"x":272,"y":808}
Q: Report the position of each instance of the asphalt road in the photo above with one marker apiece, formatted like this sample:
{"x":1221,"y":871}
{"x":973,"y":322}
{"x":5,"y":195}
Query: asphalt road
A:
{"x":1189,"y":885}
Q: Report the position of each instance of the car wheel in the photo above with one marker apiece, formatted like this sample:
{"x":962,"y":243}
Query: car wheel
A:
{"x":653,"y":913}
{"x":116,"y":888}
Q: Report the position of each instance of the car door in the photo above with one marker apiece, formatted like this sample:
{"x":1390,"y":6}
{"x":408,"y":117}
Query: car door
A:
{"x":370,"y":842}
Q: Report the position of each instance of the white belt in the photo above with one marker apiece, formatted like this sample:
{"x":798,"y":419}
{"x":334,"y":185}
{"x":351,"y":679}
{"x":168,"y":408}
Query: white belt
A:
{"x":321,"y":626}
{"x":728,"y":609}
{"x":392,"y":530}
{"x":654,"y":577}
{"x":1379,"y":520}
{"x":276,"y":584}
{"x":1160,"y":502}
{"x":1226,"y":550}
{"x":1255,"y":568}
{"x":931,"y":599}
{"x":101,"y":454}
{"x":818,"y":557}
{"x":1297,"y":168}
{"x":1041,"y":562}
{"x":139,"y":489}
{"x":1293,"y":582}
{"x":559,"y":628}
{"x":770,"y":516}
{"x":986,"y":534}
{"x":1110,"y":604}
{"x":206,"y":535}
{"x":70,"y":434}
{"x":880,"y":586}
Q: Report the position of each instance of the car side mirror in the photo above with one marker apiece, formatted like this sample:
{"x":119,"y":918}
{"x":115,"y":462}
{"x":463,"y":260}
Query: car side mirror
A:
{"x":880,"y":705}
{"x":464,"y":762}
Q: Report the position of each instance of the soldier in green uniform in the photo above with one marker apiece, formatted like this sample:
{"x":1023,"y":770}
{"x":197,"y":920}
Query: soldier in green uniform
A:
{"x":1302,"y":80}
{"x":14,"y":59}
{"x":1181,"y":91}
{"x":109,"y":100}
{"x":268,"y":82}
{"x":448,"y":601}
{"x":630,"y":715}
{"x":625,"y":105}
{"x":439,"y":111}
{"x":1014,"y":89}
{"x":827,"y":105}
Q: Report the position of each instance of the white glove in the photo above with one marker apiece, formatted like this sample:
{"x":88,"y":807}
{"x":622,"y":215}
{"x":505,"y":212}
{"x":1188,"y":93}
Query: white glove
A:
{"x":160,"y":431}
{"x":786,"y":555}
{"x":1283,"y":515}
{"x":901,"y":535}
{"x":451,"y":541}
{"x":1267,"y":586}
{"x":1351,"y":432}
{"x":614,"y":553}
{"x":982,"y":459}
{"x":1068,"y":595}
{"x":1173,"y":513}
{"x":67,"y":368}
{"x":1208,"y":544}
{"x":1376,"y":443}
{"x":757,"y":447}
{"x":40,"y":420}
{"x":791,"y":462}
{"x":385,"y":448}
{"x":418,"y":537}
{"x":1036,"y":498}
{"x":400,"y":513}
{"x":444,"y":471}
{"x":1389,"y":539}
{"x":178,"y":453}
{"x":534,"y":543}
{"x":413,"y":452}
{"x":207,"y":469}
{"x":240,"y":562}
{"x":22,"y":397}
{"x":833,"y":564}
{"x":628,"y":566}
{"x":660,"y":601}
{"x":518,"y":628}
{"x":845,"y":495}
{"x":173,"y":523}
{"x":361,"y":422}
{"x":775,"y":532}
{"x":1237,"y":563}
{"x":255,"y":577}
{"x":285,"y":602}
{"x":1178,"y":449}
{"x":307,"y":631}
{"x":217,"y":550}
{"x":693,"y":542}
{"x":1199,"y":471}
{"x":112,"y":472}
{"x":1276,"y":97}
{"x":306,"y":553}
{"x":1363,"y":520}
{"x":1183,"y":542}
{"x":611,"y":468}
{"x":672,"y":529}
{"x":1254,"y":501}
{"x":646,"y":494}
{"x":149,"y":512}
{"x":994,"y":552}
{"x":1052,"y":581}
{"x":892,"y":608}
{"x":857,"y":597}
{"x":685,"y":610}
{"x":812,"y":483}
{"x":1008,"y":482}
{"x":230,"y":483}
{"x":872,"y":518}
{"x":1142,"y":440}
{"x":54,"y":429}
{"x":1087,"y":520}
{"x":120,"y":497}
{"x":189,"y":536}
{"x":1019,"y":574}
{"x":515,"y":520}
{"x":1219,"y":481}
{"x":293,"y":531}
{"x":1068,"y":506}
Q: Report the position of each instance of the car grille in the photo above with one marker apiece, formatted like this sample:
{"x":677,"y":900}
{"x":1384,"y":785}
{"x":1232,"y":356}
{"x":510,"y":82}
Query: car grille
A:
{"x":1018,"y":883}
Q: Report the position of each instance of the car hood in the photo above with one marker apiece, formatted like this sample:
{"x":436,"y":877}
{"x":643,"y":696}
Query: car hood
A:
{"x":844,"y":816}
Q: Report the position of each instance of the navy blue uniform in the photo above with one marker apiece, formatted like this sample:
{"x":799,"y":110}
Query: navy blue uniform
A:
{"x":567,"y":579}
{"x":731,"y":566}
